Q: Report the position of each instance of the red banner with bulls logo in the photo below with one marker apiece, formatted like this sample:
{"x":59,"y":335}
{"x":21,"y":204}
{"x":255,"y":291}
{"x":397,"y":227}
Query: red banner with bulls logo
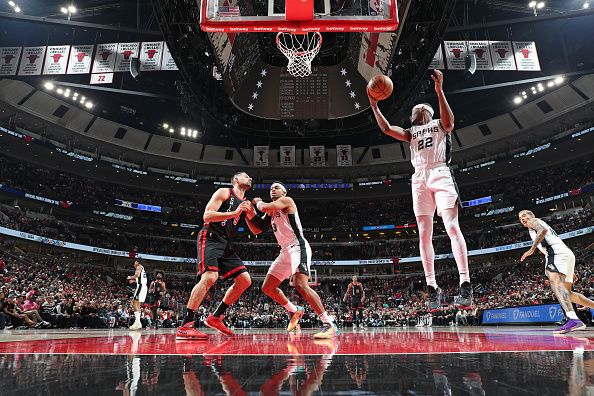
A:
{"x":168,"y":63}
{"x":9,"y":60}
{"x":80,"y":59}
{"x":526,"y":56}
{"x":56,"y":59}
{"x":502,"y":55}
{"x":455,"y":52}
{"x":105,"y":58}
{"x":150,"y":56}
{"x":437,"y":62}
{"x":480,"y":49}
{"x":126,"y":51}
{"x":32,"y":61}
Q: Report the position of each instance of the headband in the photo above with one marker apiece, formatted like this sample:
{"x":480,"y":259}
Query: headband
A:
{"x":280,"y":185}
{"x":424,"y":106}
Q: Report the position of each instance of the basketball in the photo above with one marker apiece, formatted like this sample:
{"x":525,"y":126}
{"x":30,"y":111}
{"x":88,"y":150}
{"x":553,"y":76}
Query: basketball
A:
{"x":380,"y":87}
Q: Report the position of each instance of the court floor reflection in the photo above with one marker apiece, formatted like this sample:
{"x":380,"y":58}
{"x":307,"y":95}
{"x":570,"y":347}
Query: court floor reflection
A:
{"x":542,"y":373}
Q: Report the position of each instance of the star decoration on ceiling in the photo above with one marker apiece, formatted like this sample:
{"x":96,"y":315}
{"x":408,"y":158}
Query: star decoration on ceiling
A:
{"x":357,"y":105}
{"x":348,"y":83}
{"x":263,"y":72}
{"x":251,"y":107}
{"x":255,"y":95}
{"x":352,"y":94}
{"x":343,"y":71}
{"x":259,"y":84}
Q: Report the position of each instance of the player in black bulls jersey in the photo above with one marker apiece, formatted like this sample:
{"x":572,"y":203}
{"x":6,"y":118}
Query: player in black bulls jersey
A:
{"x":222,"y":216}
{"x":157,"y":290}
{"x":357,"y":295}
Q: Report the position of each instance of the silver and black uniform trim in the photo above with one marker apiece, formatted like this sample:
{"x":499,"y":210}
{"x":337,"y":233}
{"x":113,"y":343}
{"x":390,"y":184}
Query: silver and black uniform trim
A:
{"x":303,"y":260}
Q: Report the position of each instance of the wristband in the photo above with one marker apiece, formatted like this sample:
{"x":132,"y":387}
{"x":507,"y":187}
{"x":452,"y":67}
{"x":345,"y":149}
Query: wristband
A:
{"x":259,"y":205}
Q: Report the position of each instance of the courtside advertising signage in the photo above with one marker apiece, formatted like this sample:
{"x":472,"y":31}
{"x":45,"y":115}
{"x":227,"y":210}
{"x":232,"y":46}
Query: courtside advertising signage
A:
{"x":547,"y":313}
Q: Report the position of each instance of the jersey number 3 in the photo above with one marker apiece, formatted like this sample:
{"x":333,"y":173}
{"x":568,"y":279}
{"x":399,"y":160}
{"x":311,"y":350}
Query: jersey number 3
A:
{"x":424,"y":143}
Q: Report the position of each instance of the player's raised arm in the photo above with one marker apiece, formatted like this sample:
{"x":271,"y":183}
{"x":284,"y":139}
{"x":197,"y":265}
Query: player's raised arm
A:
{"x":280,"y":204}
{"x":211,"y":213}
{"x":446,"y":115}
{"x":394,"y":131}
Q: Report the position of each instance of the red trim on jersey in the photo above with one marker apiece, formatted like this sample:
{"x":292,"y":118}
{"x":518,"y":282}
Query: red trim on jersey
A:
{"x":228,"y":274}
{"x":233,"y":192}
{"x":230,"y":191}
{"x":202,"y":246}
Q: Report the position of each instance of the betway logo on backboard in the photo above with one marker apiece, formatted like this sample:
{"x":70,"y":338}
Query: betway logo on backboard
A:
{"x":262,"y":29}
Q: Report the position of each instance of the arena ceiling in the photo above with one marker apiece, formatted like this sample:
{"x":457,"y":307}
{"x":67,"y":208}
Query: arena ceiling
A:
{"x":192,"y":97}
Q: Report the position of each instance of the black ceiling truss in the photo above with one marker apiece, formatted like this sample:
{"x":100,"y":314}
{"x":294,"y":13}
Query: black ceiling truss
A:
{"x":420,"y":36}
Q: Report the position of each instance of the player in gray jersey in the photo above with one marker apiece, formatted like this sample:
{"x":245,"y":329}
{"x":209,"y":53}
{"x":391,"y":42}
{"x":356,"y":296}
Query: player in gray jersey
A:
{"x":293,"y":260}
{"x":433,"y":186}
{"x":559,"y":268}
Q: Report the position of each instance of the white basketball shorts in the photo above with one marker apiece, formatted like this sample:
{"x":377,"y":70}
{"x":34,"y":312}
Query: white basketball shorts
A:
{"x":562,"y":263}
{"x":433,"y":188}
{"x":292,"y":259}
{"x":140,"y":293}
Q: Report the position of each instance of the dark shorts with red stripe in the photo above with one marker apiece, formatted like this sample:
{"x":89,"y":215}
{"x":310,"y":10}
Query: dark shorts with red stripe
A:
{"x":356,"y":304}
{"x":215,"y":253}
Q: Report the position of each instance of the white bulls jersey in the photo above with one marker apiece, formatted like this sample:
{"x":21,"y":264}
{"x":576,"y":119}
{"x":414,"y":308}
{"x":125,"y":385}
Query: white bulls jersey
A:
{"x":430,"y":145}
{"x":287,"y":228}
{"x":142,"y":280}
{"x":551,"y":243}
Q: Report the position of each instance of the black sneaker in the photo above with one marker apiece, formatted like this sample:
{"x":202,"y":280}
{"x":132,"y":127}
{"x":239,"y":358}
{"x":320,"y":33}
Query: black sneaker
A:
{"x":465,"y":297}
{"x":434,"y":300}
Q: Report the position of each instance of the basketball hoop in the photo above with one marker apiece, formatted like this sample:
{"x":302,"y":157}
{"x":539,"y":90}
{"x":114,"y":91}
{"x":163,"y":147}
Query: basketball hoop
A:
{"x":300,"y":49}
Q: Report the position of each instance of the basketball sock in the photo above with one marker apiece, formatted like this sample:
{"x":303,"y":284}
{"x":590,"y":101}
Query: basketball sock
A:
{"x":137,"y":317}
{"x":425,"y":225}
{"x":220,"y":309}
{"x":189,"y":316}
{"x":325,"y":318}
{"x":459,"y":250}
{"x":289,"y":306}
{"x":571,"y":315}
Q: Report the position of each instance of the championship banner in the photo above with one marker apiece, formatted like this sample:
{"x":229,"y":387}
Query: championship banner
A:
{"x":483,"y":56}
{"x":437,"y":62}
{"x":125,"y":52}
{"x":260,"y":155}
{"x":526,"y":56}
{"x":105,"y":58}
{"x":455,"y":52}
{"x":56,"y":59}
{"x":287,"y":155}
{"x":150,"y":56}
{"x":168,"y":63}
{"x":317,"y":156}
{"x":80,"y":59}
{"x":502,"y":55}
{"x":344,"y":155}
{"x":9,"y":60}
{"x":32,"y":61}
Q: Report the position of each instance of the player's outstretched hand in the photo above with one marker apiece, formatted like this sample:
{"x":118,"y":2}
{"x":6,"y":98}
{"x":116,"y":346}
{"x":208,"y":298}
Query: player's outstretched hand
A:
{"x":438,"y":80}
{"x":527,"y":254}
{"x":256,"y":200}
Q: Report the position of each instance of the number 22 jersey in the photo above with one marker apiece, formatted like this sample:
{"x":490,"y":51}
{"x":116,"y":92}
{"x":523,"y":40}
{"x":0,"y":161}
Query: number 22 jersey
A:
{"x":430,"y":145}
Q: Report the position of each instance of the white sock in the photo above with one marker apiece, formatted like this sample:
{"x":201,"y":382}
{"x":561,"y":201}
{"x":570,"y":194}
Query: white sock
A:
{"x":571,"y":315}
{"x":289,"y":306}
{"x":425,"y":225}
{"x":459,"y":250}
{"x":325,"y":318}
{"x":137,"y":317}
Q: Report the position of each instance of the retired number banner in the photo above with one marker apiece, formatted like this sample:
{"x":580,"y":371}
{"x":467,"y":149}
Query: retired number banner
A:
{"x":287,"y":155}
{"x":260,"y":155}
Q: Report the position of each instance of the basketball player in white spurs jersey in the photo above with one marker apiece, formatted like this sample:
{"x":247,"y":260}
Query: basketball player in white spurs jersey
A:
{"x":294,"y":259}
{"x":559,"y":268}
{"x":139,"y":278}
{"x":433,"y":186}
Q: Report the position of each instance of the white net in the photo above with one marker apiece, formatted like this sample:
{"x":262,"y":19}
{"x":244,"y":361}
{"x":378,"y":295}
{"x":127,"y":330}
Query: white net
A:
{"x":300,"y":49}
